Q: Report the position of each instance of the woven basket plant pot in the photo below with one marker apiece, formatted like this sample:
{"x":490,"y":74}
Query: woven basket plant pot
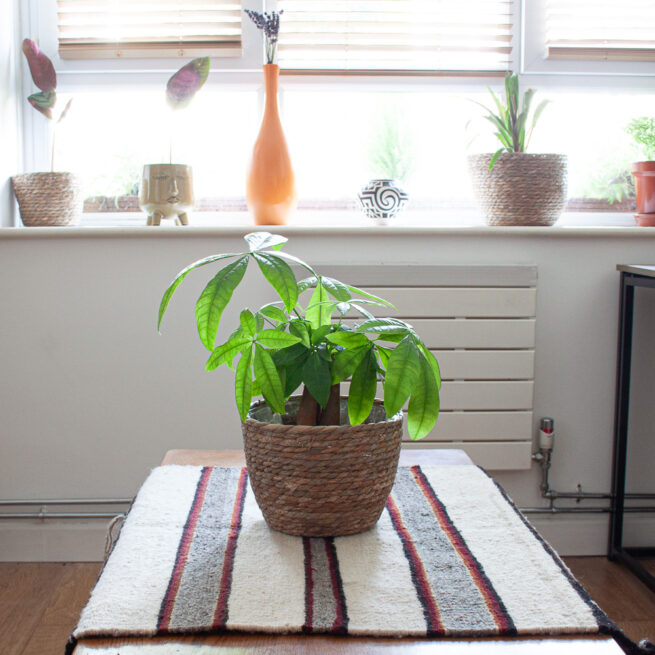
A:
{"x":521,"y":188}
{"x":321,"y":481}
{"x":48,"y":198}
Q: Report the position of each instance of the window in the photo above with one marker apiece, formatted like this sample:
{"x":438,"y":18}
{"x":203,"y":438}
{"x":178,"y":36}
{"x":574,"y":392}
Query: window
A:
{"x":354,"y":72}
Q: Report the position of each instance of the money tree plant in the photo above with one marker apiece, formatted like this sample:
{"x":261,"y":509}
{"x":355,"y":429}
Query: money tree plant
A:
{"x":308,"y":337}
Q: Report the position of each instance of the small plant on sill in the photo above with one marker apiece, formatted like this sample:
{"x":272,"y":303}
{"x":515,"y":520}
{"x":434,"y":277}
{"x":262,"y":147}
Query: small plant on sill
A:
{"x":512,"y":123}
{"x":269,"y":24}
{"x":642,"y":130}
{"x":285,"y":344}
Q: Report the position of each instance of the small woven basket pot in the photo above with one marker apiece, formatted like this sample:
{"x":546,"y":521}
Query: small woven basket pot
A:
{"x":48,"y":198}
{"x":321,"y":481}
{"x":521,"y":188}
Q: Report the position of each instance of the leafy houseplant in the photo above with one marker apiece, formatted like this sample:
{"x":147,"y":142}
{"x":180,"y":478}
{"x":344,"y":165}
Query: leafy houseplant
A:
{"x":512,"y":186}
{"x":52,"y":198}
{"x":304,"y":339}
{"x":642,"y":130}
{"x":167,"y":189}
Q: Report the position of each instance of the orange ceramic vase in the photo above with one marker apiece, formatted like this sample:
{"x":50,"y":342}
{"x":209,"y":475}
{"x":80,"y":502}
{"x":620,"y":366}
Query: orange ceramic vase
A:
{"x":270,"y":185}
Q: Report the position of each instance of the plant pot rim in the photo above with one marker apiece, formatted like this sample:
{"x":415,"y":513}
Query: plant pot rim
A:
{"x":645,"y":165}
{"x":44,"y":174}
{"x":396,"y":418}
{"x":166,"y":164}
{"x":518,"y":155}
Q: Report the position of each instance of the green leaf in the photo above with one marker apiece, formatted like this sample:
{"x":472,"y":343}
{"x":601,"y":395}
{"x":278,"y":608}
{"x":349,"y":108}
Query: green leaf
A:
{"x":402,"y":374}
{"x":433,"y":363}
{"x":268,"y":377}
{"x":248,"y":322}
{"x":186,"y":82}
{"x":243,"y":384}
{"x":319,"y":334}
{"x":307,"y":283}
{"x":276,"y":339}
{"x":362,"y":311}
{"x":338,"y":290}
{"x":424,"y":403}
{"x":259,"y":321}
{"x":274,"y":313}
{"x":294,"y":375}
{"x":385,"y":325}
{"x":348,"y":339}
{"x":286,"y":355}
{"x":384,"y":353}
{"x":370,"y":296}
{"x":362,"y":389}
{"x":391,"y":338}
{"x":495,"y":156}
{"x":317,"y":378}
{"x":43,"y":102}
{"x":280,"y":276}
{"x":215,"y":297}
{"x":346,"y":361}
{"x":168,"y":294}
{"x":225,"y":353}
{"x":295,"y":260}
{"x":298,"y":327}
{"x":261,"y":240}
{"x":318,"y":311}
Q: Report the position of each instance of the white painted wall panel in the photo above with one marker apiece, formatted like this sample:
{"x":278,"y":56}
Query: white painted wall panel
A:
{"x":486,"y":364}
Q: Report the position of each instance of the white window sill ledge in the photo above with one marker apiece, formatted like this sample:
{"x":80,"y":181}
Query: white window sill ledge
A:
{"x":326,"y":222}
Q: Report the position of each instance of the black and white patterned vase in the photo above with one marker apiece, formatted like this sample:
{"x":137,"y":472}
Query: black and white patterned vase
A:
{"x":382,"y":200}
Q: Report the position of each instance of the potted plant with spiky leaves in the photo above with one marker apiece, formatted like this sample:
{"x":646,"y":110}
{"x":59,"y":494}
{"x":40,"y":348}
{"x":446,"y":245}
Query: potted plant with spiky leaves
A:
{"x":51,"y":198}
{"x":167,"y":189}
{"x":512,"y":186}
{"x":320,"y":464}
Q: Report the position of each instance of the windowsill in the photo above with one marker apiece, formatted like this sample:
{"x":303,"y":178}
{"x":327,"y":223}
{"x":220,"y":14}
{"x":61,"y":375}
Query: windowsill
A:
{"x":133,"y":223}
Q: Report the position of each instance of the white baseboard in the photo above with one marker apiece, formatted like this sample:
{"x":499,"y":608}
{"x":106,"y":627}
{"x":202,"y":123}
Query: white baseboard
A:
{"x":84,"y":540}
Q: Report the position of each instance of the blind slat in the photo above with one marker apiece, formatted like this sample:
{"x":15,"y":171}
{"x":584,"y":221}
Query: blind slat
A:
{"x":148,"y":28}
{"x":395,"y":36}
{"x":600,"y":30}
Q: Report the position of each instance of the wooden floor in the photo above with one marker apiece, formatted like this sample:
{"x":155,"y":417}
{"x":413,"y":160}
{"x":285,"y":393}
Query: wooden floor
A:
{"x":40,"y":603}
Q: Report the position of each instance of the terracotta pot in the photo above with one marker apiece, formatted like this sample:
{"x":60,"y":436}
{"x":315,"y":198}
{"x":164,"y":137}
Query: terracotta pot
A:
{"x":643,"y":173}
{"x":270,"y":184}
{"x":521,"y":188}
{"x":48,"y":198}
{"x":166,"y":192}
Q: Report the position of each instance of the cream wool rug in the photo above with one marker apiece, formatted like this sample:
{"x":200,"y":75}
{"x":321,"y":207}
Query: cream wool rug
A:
{"x":450,"y":556}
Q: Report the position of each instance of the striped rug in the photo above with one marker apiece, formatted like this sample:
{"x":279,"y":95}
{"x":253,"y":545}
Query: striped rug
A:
{"x":450,"y":556}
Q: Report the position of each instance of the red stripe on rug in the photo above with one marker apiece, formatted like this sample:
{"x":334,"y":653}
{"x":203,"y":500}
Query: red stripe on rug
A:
{"x":340,"y":624}
{"x":309,"y":586}
{"x":220,"y":614}
{"x":183,"y":551}
{"x":419,"y":577}
{"x":492,"y":600}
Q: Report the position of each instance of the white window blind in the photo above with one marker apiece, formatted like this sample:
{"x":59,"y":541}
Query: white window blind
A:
{"x":396,"y":36}
{"x":601,"y":30}
{"x":148,"y":28}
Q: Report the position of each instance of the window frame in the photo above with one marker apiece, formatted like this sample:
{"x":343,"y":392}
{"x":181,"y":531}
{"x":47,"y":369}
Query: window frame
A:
{"x":638,"y":75}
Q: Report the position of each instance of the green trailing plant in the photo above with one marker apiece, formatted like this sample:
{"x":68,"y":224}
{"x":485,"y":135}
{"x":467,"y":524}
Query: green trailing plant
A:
{"x":303,"y":339}
{"x":512,"y":118}
{"x":642,"y":130}
{"x":45,"y":78}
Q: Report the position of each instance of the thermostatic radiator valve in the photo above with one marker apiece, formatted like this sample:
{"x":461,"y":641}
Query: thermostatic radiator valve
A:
{"x":546,"y":433}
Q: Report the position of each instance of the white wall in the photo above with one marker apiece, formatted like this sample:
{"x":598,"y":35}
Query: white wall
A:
{"x":9,"y":84}
{"x":91,"y":396}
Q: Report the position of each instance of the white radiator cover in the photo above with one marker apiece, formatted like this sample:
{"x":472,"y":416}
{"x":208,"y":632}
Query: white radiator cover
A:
{"x":480,"y":323}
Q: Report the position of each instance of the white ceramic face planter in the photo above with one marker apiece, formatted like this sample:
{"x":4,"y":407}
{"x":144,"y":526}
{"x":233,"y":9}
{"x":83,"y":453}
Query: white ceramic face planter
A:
{"x":166,"y":192}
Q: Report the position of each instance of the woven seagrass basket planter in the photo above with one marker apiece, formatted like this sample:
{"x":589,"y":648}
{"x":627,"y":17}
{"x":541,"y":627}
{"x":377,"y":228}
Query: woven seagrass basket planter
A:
{"x":321,"y":481}
{"x":521,"y":188}
{"x":48,"y":198}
